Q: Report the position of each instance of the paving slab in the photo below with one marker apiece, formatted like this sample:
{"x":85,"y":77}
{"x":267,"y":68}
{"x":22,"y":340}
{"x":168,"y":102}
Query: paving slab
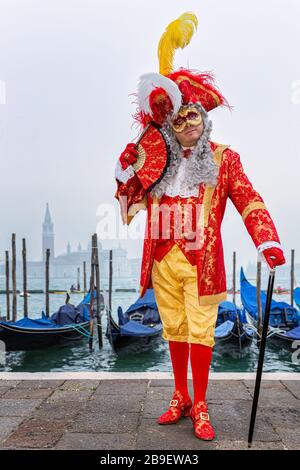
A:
{"x":32,"y":393}
{"x":106,"y":422}
{"x":18,"y":407}
{"x":70,"y":395}
{"x":3,"y":390}
{"x":153,"y":436}
{"x":36,"y":434}
{"x":78,"y":385}
{"x":9,"y":424}
{"x":9,"y":383}
{"x":243,"y":445}
{"x":103,"y":441}
{"x":40,"y":383}
{"x":293,"y":387}
{"x":236,"y":390}
{"x":115,"y":387}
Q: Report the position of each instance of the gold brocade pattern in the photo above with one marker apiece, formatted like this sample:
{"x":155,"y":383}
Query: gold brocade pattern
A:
{"x":152,"y":157}
{"x":198,"y":85}
{"x":252,"y":207}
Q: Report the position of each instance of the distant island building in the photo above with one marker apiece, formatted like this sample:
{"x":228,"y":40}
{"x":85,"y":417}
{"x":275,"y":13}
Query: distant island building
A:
{"x":48,"y":234}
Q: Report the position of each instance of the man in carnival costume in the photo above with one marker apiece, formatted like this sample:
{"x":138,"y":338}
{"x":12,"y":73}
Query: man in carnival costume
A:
{"x":183,"y":179}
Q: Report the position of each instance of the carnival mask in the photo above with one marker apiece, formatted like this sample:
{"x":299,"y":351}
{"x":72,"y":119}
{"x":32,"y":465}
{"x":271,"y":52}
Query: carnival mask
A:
{"x":187,"y":115}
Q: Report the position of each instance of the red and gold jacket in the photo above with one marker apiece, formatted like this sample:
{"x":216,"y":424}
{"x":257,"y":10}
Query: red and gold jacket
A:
{"x":232,"y":183}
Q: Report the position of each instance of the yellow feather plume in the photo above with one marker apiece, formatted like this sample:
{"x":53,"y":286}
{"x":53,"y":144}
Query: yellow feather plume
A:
{"x":177,"y":35}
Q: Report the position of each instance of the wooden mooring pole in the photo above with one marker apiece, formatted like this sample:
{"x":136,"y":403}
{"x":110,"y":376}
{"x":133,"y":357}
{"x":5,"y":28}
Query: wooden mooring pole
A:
{"x":97,"y":271}
{"x":109,"y":312}
{"x":110,"y":280}
{"x":234,"y":278}
{"x":78,"y":278}
{"x":14,"y":282}
{"x":258,"y":300}
{"x":92,"y":283}
{"x":292,"y":276}
{"x":7,"y":286}
{"x":25,"y":278}
{"x":84,"y":277}
{"x":47,"y":282}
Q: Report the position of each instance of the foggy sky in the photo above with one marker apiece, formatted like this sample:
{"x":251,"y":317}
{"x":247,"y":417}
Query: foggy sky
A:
{"x":69,"y":67}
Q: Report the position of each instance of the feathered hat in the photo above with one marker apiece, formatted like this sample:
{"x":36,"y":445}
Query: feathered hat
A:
{"x":163,"y":93}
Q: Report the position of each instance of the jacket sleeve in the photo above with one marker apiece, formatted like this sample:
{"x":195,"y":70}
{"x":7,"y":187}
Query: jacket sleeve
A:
{"x":250,"y":204}
{"x":130,"y":193}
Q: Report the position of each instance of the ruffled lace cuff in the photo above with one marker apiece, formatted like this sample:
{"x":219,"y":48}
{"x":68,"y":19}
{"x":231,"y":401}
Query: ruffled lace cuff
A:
{"x":264,"y":246}
{"x":123,"y":175}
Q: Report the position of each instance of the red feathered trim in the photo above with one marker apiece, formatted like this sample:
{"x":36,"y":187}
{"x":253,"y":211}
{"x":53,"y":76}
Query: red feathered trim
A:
{"x":160,"y":105}
{"x":199,"y":86}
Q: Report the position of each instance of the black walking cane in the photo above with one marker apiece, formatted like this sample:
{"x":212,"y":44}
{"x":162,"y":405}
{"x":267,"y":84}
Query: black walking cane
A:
{"x":261,"y":355}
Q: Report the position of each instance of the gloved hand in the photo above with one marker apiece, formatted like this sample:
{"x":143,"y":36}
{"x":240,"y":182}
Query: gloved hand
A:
{"x":274,"y":256}
{"x":128,"y":156}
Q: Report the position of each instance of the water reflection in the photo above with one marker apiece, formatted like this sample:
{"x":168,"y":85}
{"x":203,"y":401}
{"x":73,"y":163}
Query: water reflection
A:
{"x":148,"y":357}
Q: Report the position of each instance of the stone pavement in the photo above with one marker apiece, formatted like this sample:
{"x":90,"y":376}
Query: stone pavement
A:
{"x":121,"y":414}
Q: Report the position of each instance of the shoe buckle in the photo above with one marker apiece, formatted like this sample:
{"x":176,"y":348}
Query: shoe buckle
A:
{"x":204,"y":416}
{"x":173,"y":402}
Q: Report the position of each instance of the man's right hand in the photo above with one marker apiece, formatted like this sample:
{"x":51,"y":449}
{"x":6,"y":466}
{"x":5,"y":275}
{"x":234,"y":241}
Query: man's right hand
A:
{"x":128,"y":156}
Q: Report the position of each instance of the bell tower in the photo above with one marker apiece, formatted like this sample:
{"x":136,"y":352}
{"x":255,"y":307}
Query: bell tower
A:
{"x":48,"y":234}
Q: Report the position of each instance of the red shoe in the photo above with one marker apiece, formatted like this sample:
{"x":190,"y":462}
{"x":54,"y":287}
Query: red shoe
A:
{"x":202,"y":426}
{"x":178,"y":408}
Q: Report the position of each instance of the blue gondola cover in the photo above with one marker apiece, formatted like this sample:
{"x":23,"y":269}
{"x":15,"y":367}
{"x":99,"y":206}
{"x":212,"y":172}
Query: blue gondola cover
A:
{"x":280,"y":311}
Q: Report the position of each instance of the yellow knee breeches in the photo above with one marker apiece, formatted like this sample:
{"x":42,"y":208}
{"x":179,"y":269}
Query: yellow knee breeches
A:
{"x":174,"y":281}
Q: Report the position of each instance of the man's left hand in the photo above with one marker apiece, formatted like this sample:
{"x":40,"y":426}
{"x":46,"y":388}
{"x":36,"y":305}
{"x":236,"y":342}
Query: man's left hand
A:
{"x":274,"y":256}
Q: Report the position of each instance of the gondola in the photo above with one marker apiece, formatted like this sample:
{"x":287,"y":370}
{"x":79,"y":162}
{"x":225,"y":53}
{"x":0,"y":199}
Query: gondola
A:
{"x":232,"y":326}
{"x":139,"y":324}
{"x":297,"y":296}
{"x":284,"y":319}
{"x":69,"y":323}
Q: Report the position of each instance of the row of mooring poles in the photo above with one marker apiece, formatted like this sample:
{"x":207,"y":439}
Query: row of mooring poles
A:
{"x":258,"y":290}
{"x":14,"y":281}
{"x":258,"y":287}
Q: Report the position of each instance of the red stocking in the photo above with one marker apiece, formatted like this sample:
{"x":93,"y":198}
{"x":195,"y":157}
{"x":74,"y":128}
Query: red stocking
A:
{"x":200,"y":362}
{"x":179,"y":352}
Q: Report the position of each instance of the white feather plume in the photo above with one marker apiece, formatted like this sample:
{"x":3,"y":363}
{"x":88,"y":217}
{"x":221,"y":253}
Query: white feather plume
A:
{"x":148,"y":82}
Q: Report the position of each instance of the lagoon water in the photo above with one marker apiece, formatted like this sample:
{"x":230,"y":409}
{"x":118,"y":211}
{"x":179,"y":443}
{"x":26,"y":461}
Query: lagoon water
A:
{"x":153,"y":357}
